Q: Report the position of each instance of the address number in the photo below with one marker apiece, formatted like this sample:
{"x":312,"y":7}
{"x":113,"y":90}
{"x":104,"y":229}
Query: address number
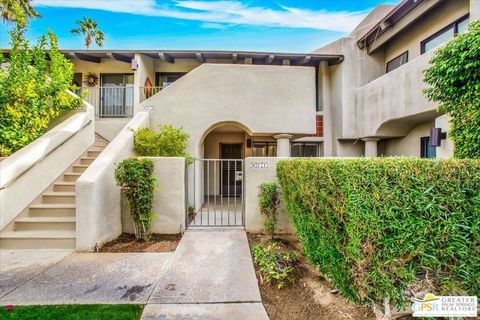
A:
{"x":259,"y":165}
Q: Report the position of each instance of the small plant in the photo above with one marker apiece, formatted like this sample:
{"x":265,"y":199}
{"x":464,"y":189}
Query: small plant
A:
{"x":275,"y":265}
{"x":268,"y":199}
{"x":168,"y":142}
{"x":191,"y":211}
{"x":135,"y":177}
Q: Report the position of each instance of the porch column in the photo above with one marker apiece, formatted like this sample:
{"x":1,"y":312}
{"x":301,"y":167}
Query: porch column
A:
{"x":371,"y":148}
{"x":474,"y":10}
{"x":283,"y":144}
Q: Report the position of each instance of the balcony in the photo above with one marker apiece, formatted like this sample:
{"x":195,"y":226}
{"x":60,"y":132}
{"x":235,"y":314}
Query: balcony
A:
{"x":109,"y":101}
{"x":395,"y":96}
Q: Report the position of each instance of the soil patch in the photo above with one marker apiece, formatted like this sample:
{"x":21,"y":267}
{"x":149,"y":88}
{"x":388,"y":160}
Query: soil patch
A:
{"x":127,"y":243}
{"x":310,"y":297}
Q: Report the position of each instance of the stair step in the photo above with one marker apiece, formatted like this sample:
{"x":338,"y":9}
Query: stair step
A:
{"x":79,"y":168}
{"x":52,"y":210}
{"x":87,"y":160}
{"x":38,"y":239}
{"x":59,"y":197}
{"x":45,"y":223}
{"x":64,"y":186}
{"x":96,"y":148}
{"x":93,"y":153}
{"x":71,"y":176}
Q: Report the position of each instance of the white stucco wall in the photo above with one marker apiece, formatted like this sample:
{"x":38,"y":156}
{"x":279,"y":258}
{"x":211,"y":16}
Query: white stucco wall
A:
{"x":25,"y":174}
{"x":109,"y":128}
{"x":254,"y":177}
{"x":98,"y":205}
{"x":264,"y":99}
{"x":169,"y":198}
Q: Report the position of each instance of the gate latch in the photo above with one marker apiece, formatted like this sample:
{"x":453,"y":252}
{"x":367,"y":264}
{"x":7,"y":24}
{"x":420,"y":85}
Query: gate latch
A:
{"x":238,"y":175}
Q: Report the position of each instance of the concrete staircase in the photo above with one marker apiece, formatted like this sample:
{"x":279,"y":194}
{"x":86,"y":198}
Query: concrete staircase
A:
{"x":49,"y":222}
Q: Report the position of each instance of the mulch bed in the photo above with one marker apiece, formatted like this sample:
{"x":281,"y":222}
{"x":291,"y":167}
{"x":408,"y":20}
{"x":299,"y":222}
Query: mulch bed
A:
{"x":310,"y":297}
{"x":127,"y":243}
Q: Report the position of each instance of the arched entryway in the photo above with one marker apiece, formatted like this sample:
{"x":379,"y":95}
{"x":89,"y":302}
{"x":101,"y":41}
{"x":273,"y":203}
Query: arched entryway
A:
{"x":219,"y":177}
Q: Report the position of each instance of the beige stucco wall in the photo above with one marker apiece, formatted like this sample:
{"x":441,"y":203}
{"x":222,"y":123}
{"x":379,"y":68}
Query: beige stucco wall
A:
{"x":408,"y":146}
{"x":254,"y":177}
{"x":447,"y":147}
{"x":98,"y":204}
{"x":28,"y":172}
{"x":169,"y":197}
{"x":180,"y":65}
{"x":105,"y":66}
{"x":436,"y":19}
{"x":109,"y":128}
{"x":253,"y":96}
{"x":395,"y":95}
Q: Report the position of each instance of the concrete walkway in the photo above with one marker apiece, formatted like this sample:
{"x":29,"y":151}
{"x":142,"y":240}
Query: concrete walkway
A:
{"x":79,"y":278}
{"x":210,"y":276}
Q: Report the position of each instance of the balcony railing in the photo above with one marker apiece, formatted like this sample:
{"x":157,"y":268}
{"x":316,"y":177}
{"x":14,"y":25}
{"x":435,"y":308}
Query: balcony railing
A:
{"x":147,"y":92}
{"x":109,"y":101}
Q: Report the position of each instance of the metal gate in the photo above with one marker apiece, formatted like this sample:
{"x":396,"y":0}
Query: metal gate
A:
{"x":218,"y":193}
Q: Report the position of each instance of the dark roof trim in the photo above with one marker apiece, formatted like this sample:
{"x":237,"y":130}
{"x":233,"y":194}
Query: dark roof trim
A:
{"x":402,"y":9}
{"x":306,"y":59}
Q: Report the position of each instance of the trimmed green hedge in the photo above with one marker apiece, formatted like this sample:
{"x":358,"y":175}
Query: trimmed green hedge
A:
{"x":378,"y":226}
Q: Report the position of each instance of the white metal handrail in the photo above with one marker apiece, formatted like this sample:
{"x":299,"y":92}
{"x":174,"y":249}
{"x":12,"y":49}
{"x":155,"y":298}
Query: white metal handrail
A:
{"x":147,"y":92}
{"x":109,"y":101}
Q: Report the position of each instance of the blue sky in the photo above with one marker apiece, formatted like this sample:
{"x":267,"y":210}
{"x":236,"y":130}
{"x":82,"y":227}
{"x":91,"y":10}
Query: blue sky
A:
{"x":281,"y":25}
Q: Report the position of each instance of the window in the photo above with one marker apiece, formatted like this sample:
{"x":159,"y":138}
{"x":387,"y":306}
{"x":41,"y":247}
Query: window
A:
{"x":397,"y":62}
{"x":163,"y":79}
{"x":305,"y":149}
{"x":264,"y":149}
{"x":442,"y":36}
{"x":426,"y":150}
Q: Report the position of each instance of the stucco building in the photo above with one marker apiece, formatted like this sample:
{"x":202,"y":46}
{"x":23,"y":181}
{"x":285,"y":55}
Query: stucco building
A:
{"x":358,"y":96}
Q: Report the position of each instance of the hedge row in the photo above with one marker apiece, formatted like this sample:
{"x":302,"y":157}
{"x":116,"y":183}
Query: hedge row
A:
{"x":382,"y":227}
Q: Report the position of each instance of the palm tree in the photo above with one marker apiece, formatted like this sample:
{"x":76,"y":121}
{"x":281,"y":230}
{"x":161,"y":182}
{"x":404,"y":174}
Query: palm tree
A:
{"x":88,"y":28}
{"x":15,"y":10}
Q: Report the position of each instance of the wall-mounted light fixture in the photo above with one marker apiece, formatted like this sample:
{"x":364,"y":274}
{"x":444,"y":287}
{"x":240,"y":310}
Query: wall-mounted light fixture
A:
{"x":134,"y":64}
{"x":436,"y":137}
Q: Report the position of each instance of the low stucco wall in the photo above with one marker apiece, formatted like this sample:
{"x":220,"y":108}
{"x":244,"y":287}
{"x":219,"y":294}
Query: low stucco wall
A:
{"x":98,"y":203}
{"x":28,"y":172}
{"x":396,"y":95}
{"x":169,"y":198}
{"x":258,"y":171}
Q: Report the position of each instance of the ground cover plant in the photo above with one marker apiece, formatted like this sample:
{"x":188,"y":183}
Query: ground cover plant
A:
{"x":384,"y":230}
{"x":275,"y":264}
{"x":72,"y":312}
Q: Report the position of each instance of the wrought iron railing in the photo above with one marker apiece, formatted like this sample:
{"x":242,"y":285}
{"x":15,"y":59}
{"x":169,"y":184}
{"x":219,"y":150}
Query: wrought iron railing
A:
{"x":109,"y":101}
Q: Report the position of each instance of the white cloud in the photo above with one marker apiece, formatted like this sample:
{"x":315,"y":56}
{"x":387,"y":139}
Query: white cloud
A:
{"x":222,"y":12}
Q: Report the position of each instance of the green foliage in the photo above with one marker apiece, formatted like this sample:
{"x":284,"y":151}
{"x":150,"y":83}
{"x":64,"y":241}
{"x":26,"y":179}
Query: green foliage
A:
{"x":89,"y":29}
{"x":454,"y":79}
{"x":73,"y":312}
{"x":33,"y":89}
{"x":135,"y":177}
{"x":268,"y":199}
{"x":17,"y":11}
{"x":275,"y":264}
{"x":376,"y":227}
{"x":168,"y":142}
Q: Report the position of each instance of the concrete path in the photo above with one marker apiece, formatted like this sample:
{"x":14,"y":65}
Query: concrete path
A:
{"x":20,"y":266}
{"x":84,"y":278}
{"x":210,"y":276}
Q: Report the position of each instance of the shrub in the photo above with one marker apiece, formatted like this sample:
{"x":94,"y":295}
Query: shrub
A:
{"x":33,"y":89}
{"x":378,"y":227}
{"x":268,"y":199}
{"x":275,"y":265}
{"x":135,"y":177}
{"x":454,"y":77}
{"x":168,"y":142}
